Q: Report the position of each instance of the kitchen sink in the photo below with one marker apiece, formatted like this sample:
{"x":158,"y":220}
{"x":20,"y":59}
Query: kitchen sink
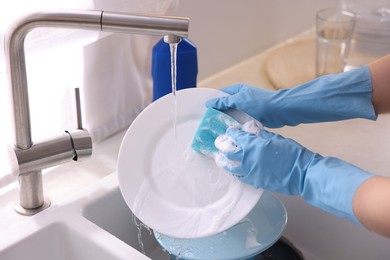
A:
{"x":111,"y":213}
{"x":58,"y":241}
{"x":93,"y":224}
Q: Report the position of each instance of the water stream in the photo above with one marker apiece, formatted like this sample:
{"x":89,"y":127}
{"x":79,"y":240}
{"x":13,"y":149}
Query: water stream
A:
{"x":173,"y":49}
{"x":139,"y":226}
{"x":173,"y":52}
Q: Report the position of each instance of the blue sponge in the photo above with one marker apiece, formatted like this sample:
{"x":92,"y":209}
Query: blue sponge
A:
{"x":214,"y":123}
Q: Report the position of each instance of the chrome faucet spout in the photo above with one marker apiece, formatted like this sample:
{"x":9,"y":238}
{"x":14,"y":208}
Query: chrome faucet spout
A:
{"x":73,"y":144}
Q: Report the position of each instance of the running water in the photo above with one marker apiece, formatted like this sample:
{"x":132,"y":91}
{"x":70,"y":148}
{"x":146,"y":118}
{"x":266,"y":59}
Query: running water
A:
{"x":173,"y":52}
{"x":139,"y":226}
{"x":173,"y":49}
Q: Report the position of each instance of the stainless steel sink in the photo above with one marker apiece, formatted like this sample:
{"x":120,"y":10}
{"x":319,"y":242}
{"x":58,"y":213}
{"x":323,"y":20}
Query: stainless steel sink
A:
{"x":111,"y":213}
{"x":94,"y":224}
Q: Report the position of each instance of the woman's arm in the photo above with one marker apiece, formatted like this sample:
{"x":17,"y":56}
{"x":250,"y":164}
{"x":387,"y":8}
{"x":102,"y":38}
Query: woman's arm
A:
{"x":371,"y":204}
{"x":380,"y":75}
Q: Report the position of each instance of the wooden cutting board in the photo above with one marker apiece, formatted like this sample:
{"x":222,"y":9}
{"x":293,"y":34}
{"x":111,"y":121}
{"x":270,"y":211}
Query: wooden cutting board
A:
{"x":292,"y":64}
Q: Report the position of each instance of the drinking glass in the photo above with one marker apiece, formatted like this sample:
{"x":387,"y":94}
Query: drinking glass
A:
{"x":334,"y":29}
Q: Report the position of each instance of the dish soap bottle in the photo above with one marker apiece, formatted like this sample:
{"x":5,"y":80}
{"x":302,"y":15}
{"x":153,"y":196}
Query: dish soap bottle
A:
{"x":186,"y":71}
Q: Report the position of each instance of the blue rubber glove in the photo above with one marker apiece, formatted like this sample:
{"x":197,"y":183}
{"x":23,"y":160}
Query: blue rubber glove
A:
{"x":278,"y":164}
{"x":328,"y":98}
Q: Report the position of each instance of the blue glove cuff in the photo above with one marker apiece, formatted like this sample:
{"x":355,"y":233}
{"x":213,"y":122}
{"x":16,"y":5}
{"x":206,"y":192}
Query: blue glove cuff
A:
{"x":331,"y":183}
{"x":328,"y":98}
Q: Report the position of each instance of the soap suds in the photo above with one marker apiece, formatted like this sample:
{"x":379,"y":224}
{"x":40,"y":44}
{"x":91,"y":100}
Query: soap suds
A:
{"x":251,"y":234}
{"x":222,"y":161}
{"x":252,"y":127}
{"x":225,"y":144}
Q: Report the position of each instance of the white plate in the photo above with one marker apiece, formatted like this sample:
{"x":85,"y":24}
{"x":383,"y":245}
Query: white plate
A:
{"x":168,"y":186}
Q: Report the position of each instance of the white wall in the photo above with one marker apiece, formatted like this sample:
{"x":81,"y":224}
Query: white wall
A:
{"x":228,"y":31}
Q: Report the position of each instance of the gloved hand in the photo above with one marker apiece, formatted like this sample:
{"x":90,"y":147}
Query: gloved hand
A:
{"x":278,"y":164}
{"x":328,"y":98}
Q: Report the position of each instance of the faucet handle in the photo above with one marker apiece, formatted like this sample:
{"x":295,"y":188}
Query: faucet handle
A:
{"x":78,"y":108}
{"x":81,"y":143}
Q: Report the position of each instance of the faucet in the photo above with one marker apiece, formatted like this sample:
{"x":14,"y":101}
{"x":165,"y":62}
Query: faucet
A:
{"x":74,"y":144}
